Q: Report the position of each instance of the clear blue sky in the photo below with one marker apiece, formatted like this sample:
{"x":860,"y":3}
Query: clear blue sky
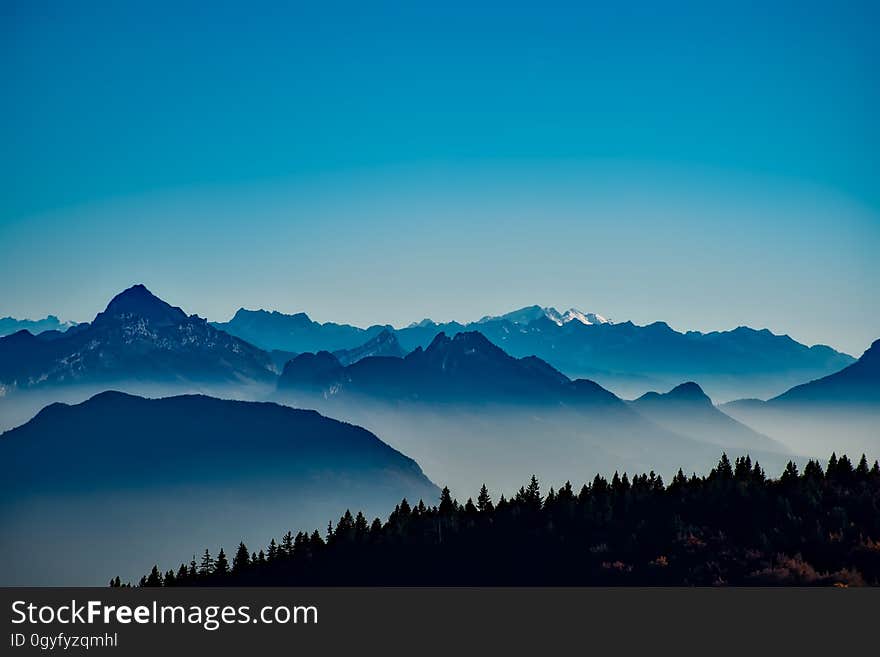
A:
{"x":707,"y":164}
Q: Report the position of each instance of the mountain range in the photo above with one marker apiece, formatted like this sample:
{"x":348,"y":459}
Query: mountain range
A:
{"x":467,"y":410}
{"x":137,"y":337}
{"x":141,"y":337}
{"x":167,"y":475}
{"x":487,"y":402}
{"x":624,"y":357}
{"x":841,"y":410}
{"x":296,"y":333}
{"x":9,"y":325}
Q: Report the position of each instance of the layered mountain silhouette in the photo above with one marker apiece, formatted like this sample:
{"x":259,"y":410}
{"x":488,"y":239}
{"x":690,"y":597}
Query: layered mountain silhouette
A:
{"x":465,"y":368}
{"x":148,"y":474}
{"x":688,"y":411}
{"x":858,"y":383}
{"x":624,"y":357}
{"x":9,"y":325}
{"x":296,"y":333}
{"x":466,"y":409}
{"x":137,"y":337}
{"x":842,"y":410}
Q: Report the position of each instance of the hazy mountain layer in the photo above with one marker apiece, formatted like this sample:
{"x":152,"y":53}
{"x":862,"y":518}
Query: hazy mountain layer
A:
{"x":687,"y":411}
{"x":10,"y":325}
{"x":467,"y":410}
{"x":840,"y":411}
{"x":139,"y":476}
{"x":623,"y":357}
{"x":297,"y":333}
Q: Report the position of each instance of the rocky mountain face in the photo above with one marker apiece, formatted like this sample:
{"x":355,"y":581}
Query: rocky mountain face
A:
{"x":138,"y":337}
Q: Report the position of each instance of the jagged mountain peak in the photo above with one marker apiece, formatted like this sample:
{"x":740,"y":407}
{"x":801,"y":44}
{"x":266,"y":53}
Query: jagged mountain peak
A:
{"x":464,"y":342}
{"x":529,"y":314}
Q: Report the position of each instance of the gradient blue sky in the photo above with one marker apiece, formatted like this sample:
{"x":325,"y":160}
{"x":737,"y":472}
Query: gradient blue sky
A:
{"x":707,"y":164}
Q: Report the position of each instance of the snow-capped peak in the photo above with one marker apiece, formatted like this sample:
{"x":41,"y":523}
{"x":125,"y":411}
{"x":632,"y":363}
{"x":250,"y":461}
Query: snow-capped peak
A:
{"x":573,"y":314}
{"x":531,"y":313}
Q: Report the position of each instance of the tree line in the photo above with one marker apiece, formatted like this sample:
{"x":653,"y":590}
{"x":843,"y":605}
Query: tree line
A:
{"x":734,"y":526}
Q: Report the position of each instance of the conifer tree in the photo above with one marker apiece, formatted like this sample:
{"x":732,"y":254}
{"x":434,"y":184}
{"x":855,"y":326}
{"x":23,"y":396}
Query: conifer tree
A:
{"x":446,"y":506}
{"x":484,"y":500}
{"x":241,"y":560}
{"x":790,"y":474}
{"x":287,"y":545}
{"x":360,"y":526}
{"x":154,"y":578}
{"x":207,"y":565}
{"x":221,"y":566}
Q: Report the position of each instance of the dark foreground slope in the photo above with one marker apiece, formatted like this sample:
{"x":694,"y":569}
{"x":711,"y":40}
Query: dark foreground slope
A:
{"x":119,"y":478}
{"x":733,"y":527}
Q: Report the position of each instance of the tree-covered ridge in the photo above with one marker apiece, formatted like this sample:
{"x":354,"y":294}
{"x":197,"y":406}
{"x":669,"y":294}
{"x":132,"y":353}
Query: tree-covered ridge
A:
{"x":734,"y":527}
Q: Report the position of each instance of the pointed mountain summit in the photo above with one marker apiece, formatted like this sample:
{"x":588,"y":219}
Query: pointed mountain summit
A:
{"x":139,"y":337}
{"x":684,"y":393}
{"x":688,"y":411}
{"x":138,"y":301}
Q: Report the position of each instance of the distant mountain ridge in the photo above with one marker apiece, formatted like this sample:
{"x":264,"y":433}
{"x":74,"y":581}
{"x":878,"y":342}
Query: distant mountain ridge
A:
{"x":463,"y":368}
{"x":465,"y":408}
{"x":10,"y":325}
{"x":297,"y":333}
{"x":627,"y":358}
{"x":531,"y":313}
{"x":623,"y":357}
{"x":138,"y":337}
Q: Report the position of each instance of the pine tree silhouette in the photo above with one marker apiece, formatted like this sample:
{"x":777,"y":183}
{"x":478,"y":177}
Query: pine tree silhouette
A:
{"x":484,"y":500}
{"x":241,"y":560}
{"x":207,"y":566}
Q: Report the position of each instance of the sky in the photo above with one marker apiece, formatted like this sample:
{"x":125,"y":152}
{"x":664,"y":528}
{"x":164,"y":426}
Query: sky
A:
{"x":708,"y":166}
